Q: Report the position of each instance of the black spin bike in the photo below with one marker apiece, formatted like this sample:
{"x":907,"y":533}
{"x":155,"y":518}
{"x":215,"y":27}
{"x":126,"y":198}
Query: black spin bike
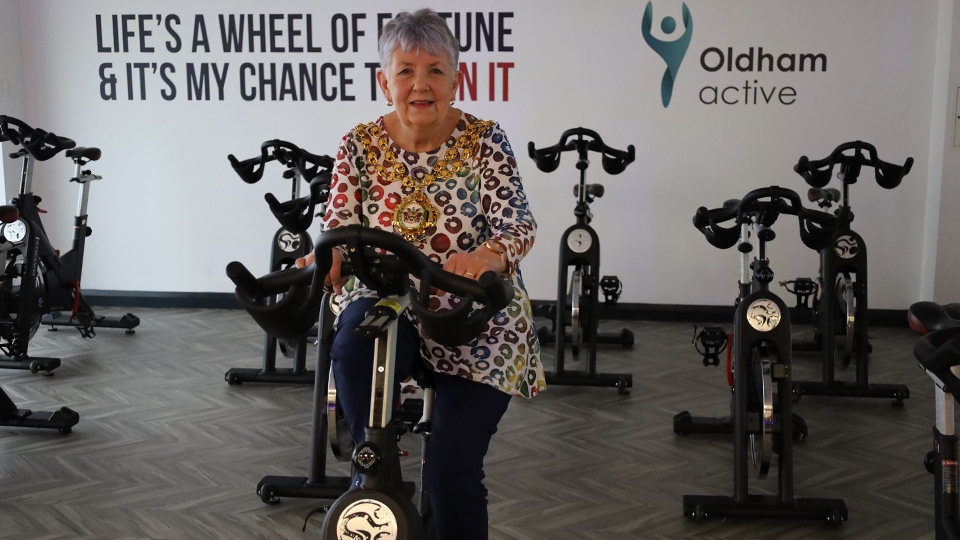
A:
{"x":380,"y":506}
{"x":38,"y":284}
{"x":578,"y":305}
{"x":63,"y":419}
{"x":840,"y":309}
{"x":290,"y":242}
{"x":938,"y":353}
{"x":761,"y":413}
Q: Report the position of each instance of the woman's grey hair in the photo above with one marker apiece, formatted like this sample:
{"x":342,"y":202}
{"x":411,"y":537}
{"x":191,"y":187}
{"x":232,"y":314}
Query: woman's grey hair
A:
{"x":422,"y":29}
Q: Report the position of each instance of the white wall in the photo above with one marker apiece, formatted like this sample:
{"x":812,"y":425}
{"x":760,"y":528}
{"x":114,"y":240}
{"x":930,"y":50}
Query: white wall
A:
{"x":12,"y":100}
{"x":947,"y":203}
{"x":170,"y":213}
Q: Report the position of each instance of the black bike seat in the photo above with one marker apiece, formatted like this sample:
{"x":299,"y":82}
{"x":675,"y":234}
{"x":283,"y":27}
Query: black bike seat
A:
{"x":92,"y":153}
{"x":939,"y":351}
{"x":9,"y":213}
{"x":926,"y":317}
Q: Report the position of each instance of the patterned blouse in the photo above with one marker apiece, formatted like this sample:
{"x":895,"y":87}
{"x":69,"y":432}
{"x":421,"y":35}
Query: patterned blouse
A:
{"x":483,"y":200}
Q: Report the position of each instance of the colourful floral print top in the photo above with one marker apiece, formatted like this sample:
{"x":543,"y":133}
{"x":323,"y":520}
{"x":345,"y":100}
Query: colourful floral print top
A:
{"x":483,"y":200}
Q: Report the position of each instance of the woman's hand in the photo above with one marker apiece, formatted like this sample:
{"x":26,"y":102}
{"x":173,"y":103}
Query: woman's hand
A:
{"x":472,"y":265}
{"x":333,"y":279}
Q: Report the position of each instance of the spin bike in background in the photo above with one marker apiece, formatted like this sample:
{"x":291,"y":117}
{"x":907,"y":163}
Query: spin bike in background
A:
{"x":761,"y":412}
{"x":580,"y":251}
{"x":840,"y":314}
{"x":38,"y":284}
{"x":290,"y":242}
{"x":938,"y":353}
{"x":381,"y":504}
{"x":64,"y":418}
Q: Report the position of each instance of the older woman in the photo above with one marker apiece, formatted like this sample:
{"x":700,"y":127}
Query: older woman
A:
{"x":447,"y":182}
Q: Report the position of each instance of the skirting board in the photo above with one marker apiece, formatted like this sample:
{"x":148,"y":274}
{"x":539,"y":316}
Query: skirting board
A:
{"x":620,"y":311}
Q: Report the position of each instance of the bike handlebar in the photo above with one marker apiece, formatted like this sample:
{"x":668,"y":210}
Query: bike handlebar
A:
{"x":289,"y":154}
{"x":40,"y":144}
{"x":614,"y":161}
{"x":816,"y":228}
{"x":295,"y":215}
{"x":817,"y":173}
{"x":286,"y":303}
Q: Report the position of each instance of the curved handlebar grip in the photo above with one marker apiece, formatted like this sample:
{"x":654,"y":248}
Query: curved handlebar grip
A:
{"x":286,"y":304}
{"x":817,"y":229}
{"x":614,"y":162}
{"x":889,"y":175}
{"x":243,"y":279}
{"x":295,"y":215}
{"x":814,"y":176}
{"x":437,"y":324}
{"x":546,"y":160}
{"x":14,"y":130}
{"x":707,"y":222}
{"x":247,"y":169}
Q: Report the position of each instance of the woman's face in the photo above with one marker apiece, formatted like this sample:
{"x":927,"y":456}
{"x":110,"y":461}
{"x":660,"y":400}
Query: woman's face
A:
{"x":420,"y":85}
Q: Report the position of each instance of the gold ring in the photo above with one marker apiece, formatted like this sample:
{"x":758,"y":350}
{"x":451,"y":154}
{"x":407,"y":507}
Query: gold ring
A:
{"x":471,"y":274}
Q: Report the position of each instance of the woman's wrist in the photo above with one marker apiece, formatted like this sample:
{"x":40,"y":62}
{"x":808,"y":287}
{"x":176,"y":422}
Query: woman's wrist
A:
{"x":501,"y":255}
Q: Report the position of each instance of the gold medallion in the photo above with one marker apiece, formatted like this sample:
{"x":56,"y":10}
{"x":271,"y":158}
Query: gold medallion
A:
{"x":414,"y":216}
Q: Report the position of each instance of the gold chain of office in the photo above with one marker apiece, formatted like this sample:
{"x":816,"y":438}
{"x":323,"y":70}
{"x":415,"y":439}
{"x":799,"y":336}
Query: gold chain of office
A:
{"x":415,"y":214}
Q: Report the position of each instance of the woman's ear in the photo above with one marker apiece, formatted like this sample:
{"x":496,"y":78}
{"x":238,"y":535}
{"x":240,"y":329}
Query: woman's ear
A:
{"x":457,"y":81}
{"x":382,"y":82}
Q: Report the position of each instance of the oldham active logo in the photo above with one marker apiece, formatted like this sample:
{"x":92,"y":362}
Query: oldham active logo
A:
{"x":672,"y":51}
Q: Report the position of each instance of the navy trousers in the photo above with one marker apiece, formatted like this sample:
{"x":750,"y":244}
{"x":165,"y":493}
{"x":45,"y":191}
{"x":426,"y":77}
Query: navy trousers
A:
{"x":465,"y":417}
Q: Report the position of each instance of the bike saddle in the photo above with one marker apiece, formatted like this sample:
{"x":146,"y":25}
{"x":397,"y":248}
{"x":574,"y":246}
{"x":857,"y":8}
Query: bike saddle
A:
{"x":824,"y":196}
{"x":89,"y":153}
{"x":286,"y":304}
{"x":939,"y":349}
{"x":925,"y":317}
{"x":591,"y":190}
{"x":8,"y":213}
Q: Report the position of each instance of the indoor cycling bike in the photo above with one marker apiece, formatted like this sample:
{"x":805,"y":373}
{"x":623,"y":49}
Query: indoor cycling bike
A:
{"x":577,"y":299}
{"x":290,"y":242}
{"x":379,"y":506}
{"x":63,"y":419}
{"x":38,"y":284}
{"x":938,"y":353}
{"x":760,"y":414}
{"x":840,"y":312}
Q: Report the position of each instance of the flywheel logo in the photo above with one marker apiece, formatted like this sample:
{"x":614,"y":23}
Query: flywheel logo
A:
{"x":673,"y":51}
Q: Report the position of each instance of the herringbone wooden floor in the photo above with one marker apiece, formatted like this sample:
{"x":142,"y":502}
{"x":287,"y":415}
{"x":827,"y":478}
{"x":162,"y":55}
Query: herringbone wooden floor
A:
{"x":165,"y":449}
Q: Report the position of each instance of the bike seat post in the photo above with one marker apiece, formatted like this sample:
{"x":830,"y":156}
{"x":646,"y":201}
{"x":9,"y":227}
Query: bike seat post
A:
{"x":295,"y":187}
{"x":381,"y":399}
{"x":745,"y":247}
{"x":945,"y":409}
{"x":26,"y":176}
{"x":83,"y":178}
